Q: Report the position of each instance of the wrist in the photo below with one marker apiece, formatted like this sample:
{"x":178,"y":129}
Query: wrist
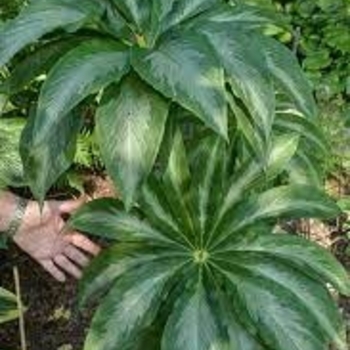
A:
{"x":13,"y":213}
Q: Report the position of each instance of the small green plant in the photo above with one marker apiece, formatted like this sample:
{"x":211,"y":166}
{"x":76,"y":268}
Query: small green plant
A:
{"x":8,"y":306}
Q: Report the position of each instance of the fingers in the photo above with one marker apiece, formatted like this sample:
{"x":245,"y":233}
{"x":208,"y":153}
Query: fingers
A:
{"x":65,"y":264}
{"x":82,"y":242}
{"x":76,"y":256}
{"x":53,"y":270}
{"x":69,"y":206}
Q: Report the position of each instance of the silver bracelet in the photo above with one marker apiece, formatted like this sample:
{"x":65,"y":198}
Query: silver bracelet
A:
{"x":17,"y":217}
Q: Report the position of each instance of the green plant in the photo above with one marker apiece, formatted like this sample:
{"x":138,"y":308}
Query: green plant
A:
{"x":8,"y":306}
{"x":147,"y":55}
{"x":199,"y":247}
{"x":199,"y":259}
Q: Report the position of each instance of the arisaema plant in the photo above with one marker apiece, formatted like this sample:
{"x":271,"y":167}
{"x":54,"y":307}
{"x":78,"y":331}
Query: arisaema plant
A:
{"x":197,"y":264}
{"x":200,"y":260}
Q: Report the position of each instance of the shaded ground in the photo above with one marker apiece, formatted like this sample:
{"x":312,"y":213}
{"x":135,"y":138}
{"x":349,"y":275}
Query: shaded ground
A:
{"x":52,"y":319}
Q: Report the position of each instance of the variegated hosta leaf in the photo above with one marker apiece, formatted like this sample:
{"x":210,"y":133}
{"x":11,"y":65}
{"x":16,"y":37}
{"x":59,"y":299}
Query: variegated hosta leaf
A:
{"x":130,"y":125}
{"x":41,"y":17}
{"x":185,"y":69}
{"x":49,"y":142}
{"x":8,"y":306}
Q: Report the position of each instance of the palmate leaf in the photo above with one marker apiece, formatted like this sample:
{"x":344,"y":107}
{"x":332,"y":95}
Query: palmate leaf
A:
{"x":42,"y":17}
{"x":81,"y":72}
{"x":237,"y":285}
{"x":130,"y":125}
{"x":8,"y":306}
{"x":185,"y":69}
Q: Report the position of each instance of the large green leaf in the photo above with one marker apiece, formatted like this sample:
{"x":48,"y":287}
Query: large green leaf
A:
{"x":286,"y":71}
{"x":240,"y":17}
{"x":307,"y":130}
{"x":185,"y":69}
{"x":130,"y":126}
{"x":116,"y":261}
{"x":135,"y":11}
{"x":282,"y":312}
{"x":84,"y":70}
{"x":194,"y":325}
{"x":254,"y":136}
{"x":49,"y":143}
{"x":177,"y":180}
{"x":208,"y":184}
{"x":106,"y":218}
{"x":130,"y":306}
{"x":246,"y":69}
{"x":311,"y":294}
{"x":306,"y":169}
{"x":182,"y":10}
{"x":292,"y":201}
{"x":49,"y":153}
{"x":154,"y":203}
{"x":284,"y":148}
{"x":39,"y":62}
{"x":8,"y":306}
{"x":41,"y":17}
{"x":306,"y":256}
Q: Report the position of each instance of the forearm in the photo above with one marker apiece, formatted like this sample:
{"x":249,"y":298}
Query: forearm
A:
{"x":7,"y":208}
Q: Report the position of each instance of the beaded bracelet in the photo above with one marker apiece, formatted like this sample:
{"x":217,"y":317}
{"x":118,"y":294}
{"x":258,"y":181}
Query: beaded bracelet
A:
{"x":17,"y":217}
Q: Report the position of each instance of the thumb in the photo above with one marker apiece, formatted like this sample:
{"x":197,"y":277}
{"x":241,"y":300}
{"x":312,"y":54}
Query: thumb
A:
{"x":70,"y":206}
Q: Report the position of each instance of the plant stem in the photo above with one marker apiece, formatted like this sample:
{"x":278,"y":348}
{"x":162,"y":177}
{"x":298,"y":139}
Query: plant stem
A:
{"x":20,"y":309}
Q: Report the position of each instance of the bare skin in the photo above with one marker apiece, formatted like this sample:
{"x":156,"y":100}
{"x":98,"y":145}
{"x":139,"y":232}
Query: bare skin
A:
{"x":42,"y":236}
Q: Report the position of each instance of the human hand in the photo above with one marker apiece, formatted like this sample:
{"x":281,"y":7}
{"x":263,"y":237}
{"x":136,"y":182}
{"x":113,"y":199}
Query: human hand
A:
{"x":42,"y":235}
